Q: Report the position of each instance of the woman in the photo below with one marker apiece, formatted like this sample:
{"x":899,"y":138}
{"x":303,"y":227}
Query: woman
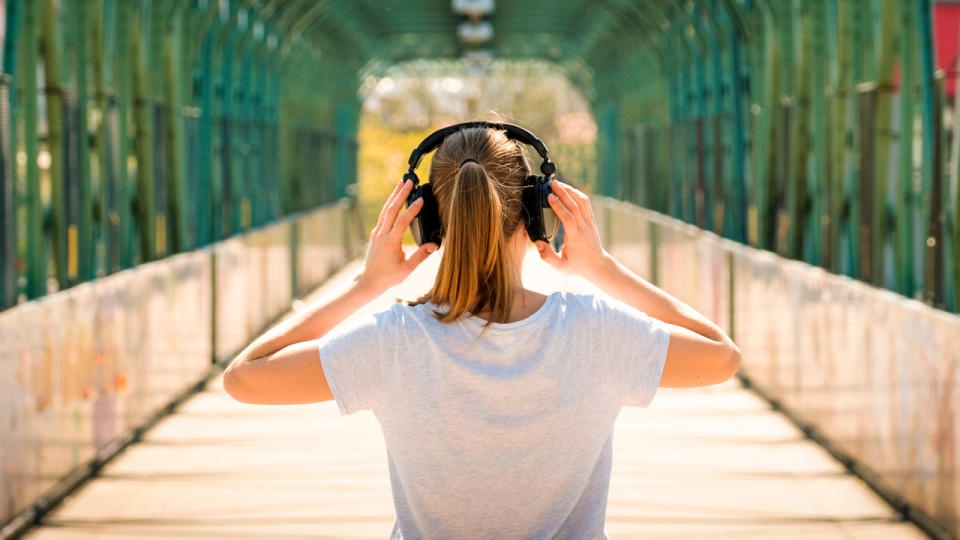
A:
{"x":497,"y":403}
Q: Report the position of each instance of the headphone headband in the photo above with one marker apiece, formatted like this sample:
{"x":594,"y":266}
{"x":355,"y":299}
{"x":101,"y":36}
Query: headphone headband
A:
{"x":515,"y":132}
{"x":427,"y":225}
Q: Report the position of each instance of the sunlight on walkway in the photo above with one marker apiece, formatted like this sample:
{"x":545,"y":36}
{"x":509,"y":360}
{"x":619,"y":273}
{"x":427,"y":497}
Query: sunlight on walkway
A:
{"x":713,"y":463}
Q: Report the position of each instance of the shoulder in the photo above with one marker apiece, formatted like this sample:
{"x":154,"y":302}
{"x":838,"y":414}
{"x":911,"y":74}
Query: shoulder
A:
{"x":400,"y":313}
{"x":577,"y":300}
{"x":370,"y":326}
{"x":584,"y":302}
{"x":384,"y":319}
{"x":599,"y":307}
{"x":579,"y":307}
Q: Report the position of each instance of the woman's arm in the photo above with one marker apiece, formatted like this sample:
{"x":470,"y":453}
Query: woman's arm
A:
{"x":310,"y":323}
{"x":282,"y":366}
{"x":699,"y":354}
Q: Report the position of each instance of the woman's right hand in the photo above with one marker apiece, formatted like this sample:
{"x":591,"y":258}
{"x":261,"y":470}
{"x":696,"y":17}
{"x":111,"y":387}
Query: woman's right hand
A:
{"x":581,"y":252}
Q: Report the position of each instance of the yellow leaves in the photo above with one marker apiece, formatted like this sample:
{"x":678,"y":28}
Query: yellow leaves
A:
{"x":382,"y":160}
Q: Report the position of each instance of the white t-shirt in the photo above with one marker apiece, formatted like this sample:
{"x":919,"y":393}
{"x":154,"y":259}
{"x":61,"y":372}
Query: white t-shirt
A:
{"x":505,"y":435}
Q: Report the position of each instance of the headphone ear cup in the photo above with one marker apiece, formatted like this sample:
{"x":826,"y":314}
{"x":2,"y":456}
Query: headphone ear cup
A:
{"x":533,"y":199}
{"x":426,"y":225}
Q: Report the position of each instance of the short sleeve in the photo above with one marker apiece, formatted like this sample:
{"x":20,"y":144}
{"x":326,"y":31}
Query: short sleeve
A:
{"x":352,"y":356}
{"x":636,"y":346}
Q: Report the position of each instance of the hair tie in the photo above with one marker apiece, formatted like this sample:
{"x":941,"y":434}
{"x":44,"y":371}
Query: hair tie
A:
{"x":468,"y":160}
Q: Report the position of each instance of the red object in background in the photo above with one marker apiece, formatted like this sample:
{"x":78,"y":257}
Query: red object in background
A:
{"x":946,"y":42}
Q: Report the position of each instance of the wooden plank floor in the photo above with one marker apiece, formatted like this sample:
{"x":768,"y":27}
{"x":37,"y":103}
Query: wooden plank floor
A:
{"x":708,"y":463}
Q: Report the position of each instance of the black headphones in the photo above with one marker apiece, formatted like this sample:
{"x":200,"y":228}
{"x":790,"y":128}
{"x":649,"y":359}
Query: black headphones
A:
{"x":427,"y":227}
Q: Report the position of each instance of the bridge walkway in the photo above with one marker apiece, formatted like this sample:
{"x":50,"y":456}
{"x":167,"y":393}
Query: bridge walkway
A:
{"x":711,"y":463}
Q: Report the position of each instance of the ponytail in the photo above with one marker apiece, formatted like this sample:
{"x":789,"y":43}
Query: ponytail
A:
{"x":474,"y":273}
{"x":477,"y":176}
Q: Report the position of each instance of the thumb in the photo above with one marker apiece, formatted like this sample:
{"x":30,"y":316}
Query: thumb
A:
{"x":420,"y":255}
{"x":548,"y":254}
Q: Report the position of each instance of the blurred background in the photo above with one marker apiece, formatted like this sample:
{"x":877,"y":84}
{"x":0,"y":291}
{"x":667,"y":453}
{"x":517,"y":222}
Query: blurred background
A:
{"x":137,"y":130}
{"x":405,"y":105}
{"x":175,"y":175}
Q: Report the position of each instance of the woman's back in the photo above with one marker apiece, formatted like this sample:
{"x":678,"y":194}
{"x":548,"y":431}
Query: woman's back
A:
{"x":493,"y":428}
{"x":515,"y":422}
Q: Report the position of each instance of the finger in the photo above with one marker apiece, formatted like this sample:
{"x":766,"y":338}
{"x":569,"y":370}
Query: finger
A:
{"x":383,"y":211}
{"x":566,"y":195}
{"x":420,"y":255}
{"x":548,"y":255}
{"x":561,"y":190}
{"x":584,"y":203}
{"x":565,"y":214}
{"x":393,"y":195}
{"x":406,"y":218}
{"x":394,"y":205}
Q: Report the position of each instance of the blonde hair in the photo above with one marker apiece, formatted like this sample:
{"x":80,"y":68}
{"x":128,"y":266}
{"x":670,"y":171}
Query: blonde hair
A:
{"x":480,"y":207}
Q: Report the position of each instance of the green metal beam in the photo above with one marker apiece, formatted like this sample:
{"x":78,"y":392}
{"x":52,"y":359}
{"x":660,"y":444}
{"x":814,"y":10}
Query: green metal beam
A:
{"x":9,"y":250}
{"x":774,"y":123}
{"x":37,"y":240}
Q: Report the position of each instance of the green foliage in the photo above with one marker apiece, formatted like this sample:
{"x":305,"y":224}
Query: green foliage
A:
{"x":417,"y":98}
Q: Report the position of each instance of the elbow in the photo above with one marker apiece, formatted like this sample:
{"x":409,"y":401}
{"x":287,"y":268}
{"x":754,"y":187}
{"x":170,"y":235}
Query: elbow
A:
{"x":733,"y":361}
{"x":233,"y":385}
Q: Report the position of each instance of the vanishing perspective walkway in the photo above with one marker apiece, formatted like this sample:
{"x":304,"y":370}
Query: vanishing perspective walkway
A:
{"x":709,"y":463}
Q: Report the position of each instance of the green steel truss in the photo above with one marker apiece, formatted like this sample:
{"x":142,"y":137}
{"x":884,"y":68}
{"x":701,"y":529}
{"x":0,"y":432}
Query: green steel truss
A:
{"x":133,"y":129}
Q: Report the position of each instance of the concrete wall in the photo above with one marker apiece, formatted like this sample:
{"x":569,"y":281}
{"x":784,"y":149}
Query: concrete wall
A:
{"x":877,"y":374}
{"x":81,"y":367}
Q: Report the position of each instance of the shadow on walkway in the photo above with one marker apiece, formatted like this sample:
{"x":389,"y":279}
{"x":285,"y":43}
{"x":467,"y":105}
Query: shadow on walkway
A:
{"x":709,"y":463}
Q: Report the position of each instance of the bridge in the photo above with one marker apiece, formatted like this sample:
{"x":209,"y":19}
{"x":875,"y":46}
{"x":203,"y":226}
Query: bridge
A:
{"x":176,"y":175}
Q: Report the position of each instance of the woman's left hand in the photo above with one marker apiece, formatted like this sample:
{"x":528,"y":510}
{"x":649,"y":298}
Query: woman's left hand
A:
{"x":385,"y":264}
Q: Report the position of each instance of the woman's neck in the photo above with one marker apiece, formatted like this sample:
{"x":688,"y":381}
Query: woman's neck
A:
{"x":525,"y":303}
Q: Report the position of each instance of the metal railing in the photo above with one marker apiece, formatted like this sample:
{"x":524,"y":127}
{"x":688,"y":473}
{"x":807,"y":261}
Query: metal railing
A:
{"x":85,"y":371}
{"x":869,"y":374}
